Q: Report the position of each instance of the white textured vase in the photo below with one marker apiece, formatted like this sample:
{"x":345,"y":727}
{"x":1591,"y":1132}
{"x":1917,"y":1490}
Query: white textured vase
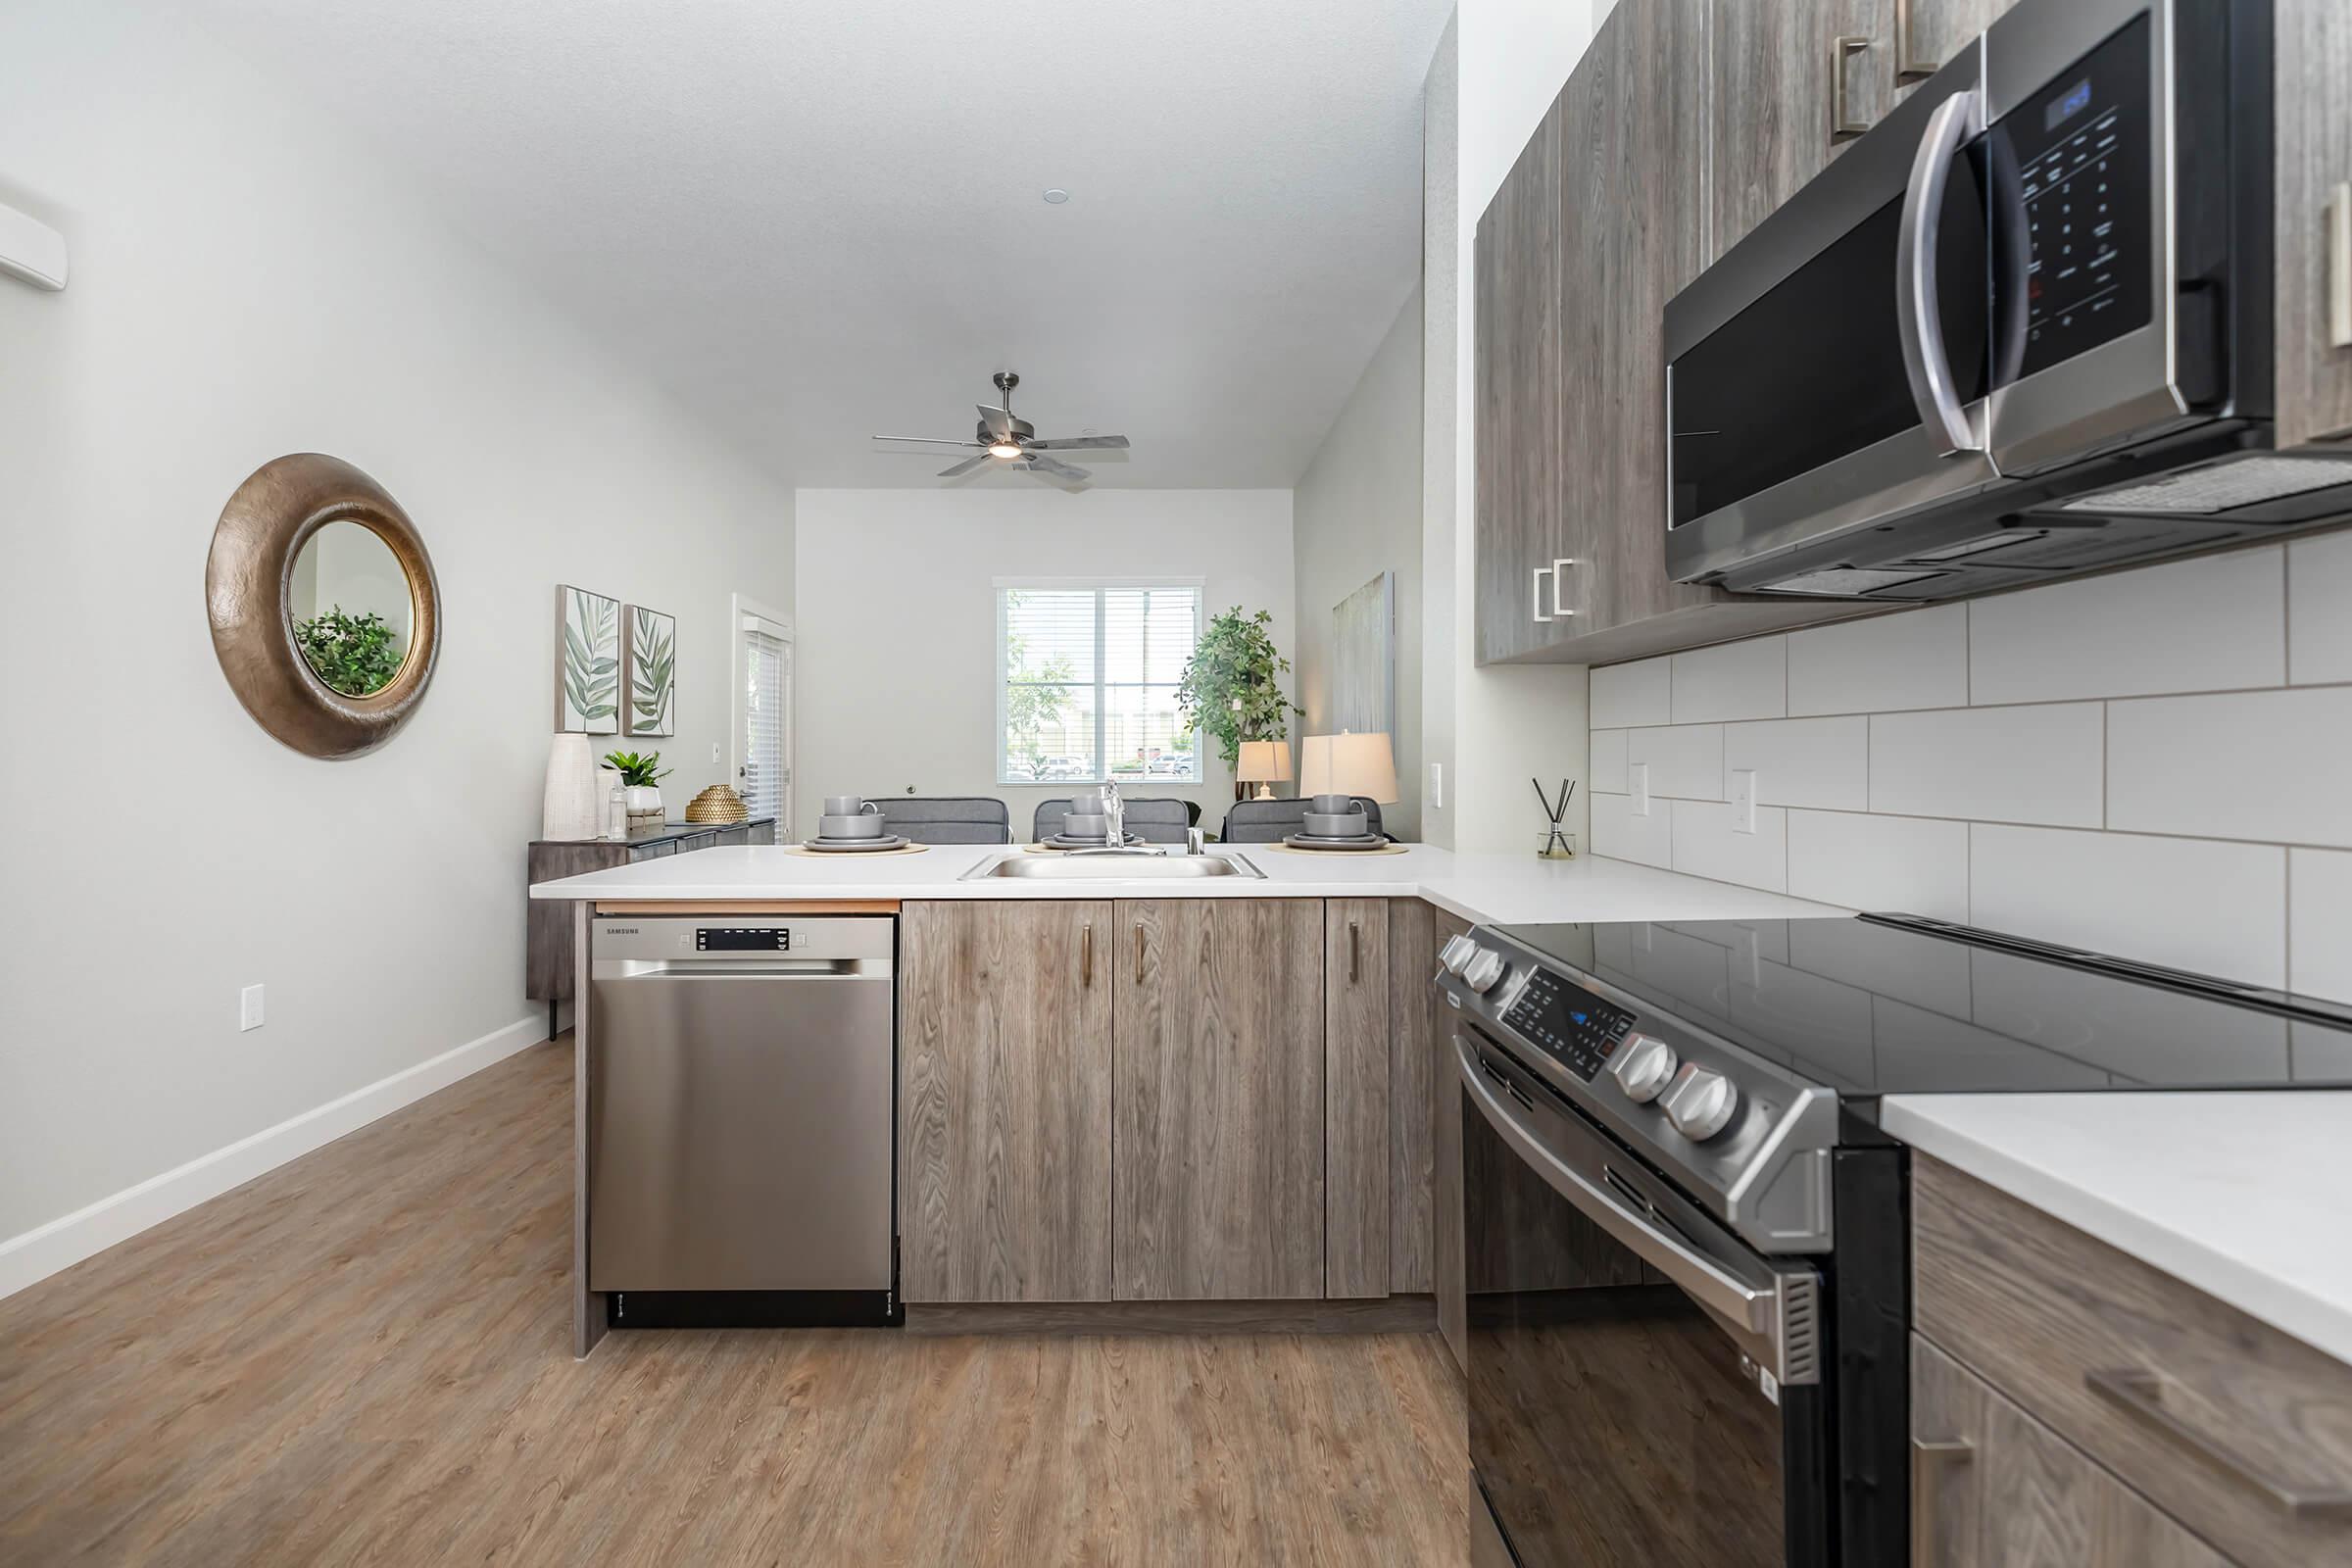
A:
{"x":573,"y":808}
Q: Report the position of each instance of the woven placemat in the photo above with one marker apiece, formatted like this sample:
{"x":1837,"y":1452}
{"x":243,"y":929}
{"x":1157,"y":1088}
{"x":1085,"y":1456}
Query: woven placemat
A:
{"x":1328,"y":854}
{"x":851,"y":855}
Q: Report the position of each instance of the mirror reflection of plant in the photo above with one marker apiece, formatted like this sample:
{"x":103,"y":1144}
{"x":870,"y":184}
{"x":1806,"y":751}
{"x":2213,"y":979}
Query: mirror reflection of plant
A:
{"x":1229,"y":688}
{"x":635,"y":770}
{"x":355,"y":655}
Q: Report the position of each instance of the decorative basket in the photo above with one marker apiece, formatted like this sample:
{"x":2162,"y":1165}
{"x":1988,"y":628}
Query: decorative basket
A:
{"x":717,"y":804}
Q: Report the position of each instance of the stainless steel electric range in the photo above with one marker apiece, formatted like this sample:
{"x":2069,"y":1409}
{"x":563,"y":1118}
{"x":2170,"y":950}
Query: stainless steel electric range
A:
{"x":1685,"y":1238}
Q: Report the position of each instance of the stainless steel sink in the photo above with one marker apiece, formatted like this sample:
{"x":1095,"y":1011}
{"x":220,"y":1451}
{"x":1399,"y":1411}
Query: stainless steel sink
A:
{"x":1114,"y":867}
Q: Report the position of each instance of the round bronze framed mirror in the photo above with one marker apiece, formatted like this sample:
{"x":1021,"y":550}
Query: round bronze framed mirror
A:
{"x":324,"y":610}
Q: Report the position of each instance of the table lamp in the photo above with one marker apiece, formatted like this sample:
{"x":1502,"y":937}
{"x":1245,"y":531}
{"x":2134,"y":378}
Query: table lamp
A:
{"x":1263,"y":763}
{"x":1348,"y":764}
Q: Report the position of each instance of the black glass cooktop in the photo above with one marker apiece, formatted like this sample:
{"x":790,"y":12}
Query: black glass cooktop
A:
{"x":1882,"y":1004}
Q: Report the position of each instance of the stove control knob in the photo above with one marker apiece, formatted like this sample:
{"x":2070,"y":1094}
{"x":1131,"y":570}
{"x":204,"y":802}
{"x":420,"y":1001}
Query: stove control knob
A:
{"x":1484,"y":971}
{"x":1699,"y":1102}
{"x":1455,"y":954}
{"x":1644,"y":1065}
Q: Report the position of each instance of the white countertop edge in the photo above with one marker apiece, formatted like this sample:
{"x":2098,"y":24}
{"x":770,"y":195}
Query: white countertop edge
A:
{"x":2041,"y":1150}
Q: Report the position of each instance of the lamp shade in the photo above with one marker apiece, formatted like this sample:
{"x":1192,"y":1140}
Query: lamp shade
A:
{"x":1264,"y":762}
{"x":1348,"y":763}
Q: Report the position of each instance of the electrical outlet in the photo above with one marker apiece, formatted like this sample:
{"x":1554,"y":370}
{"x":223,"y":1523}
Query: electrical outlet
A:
{"x":714,"y":751}
{"x":1743,"y":799}
{"x":1637,"y":784}
{"x":249,"y":1008}
{"x":1436,"y":785}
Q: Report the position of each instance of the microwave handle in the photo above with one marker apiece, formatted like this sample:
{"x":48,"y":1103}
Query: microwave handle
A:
{"x":1929,"y":366}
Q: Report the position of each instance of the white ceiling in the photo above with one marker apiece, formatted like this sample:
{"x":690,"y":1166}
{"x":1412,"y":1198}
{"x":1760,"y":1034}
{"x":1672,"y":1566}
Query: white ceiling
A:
{"x":814,"y":222}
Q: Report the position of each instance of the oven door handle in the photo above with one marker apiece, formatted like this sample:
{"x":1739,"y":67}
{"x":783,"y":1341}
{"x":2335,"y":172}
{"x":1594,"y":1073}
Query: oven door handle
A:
{"x":1925,"y":360}
{"x":1759,"y":1314}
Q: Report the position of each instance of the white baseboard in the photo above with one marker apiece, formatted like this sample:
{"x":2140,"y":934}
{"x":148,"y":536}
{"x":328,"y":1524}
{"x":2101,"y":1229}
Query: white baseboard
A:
{"x":66,"y":1241}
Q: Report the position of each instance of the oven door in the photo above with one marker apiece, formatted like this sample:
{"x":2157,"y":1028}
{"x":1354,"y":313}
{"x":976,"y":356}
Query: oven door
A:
{"x":1643,"y":1387}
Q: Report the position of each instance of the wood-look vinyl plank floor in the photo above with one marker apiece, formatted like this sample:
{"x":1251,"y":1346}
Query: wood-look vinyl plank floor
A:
{"x":365,"y":1357}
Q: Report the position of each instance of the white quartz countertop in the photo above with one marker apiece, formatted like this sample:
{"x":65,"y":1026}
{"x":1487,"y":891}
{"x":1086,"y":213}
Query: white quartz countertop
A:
{"x":1494,"y":888}
{"x":2241,"y":1195}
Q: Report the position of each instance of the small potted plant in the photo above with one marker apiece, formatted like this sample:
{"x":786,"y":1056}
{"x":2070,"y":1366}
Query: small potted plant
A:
{"x":641,"y":776}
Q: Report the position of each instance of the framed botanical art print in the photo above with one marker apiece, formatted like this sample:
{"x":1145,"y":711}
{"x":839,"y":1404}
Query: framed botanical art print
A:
{"x":587,"y":663}
{"x":648,"y":672}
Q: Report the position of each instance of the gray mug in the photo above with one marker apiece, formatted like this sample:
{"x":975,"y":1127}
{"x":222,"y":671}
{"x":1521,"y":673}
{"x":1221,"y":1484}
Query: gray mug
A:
{"x":848,"y":805}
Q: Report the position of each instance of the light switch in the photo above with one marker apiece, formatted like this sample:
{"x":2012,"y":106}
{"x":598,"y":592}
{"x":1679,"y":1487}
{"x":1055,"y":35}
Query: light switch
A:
{"x":249,"y":1008}
{"x":1637,"y":784}
{"x":1743,"y":799}
{"x":1436,"y":785}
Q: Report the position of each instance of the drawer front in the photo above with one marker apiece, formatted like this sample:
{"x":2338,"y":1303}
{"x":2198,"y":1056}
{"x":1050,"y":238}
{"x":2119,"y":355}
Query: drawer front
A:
{"x":1993,"y":1488}
{"x":2243,"y":1432}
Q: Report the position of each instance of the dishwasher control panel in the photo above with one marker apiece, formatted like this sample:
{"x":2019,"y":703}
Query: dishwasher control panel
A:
{"x":742,"y":939}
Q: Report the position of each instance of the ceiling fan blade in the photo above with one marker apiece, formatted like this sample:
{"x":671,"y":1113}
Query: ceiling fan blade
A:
{"x":1079,"y":443}
{"x":997,"y":420}
{"x":1057,"y":469}
{"x":966,"y":467}
{"x":925,"y":441}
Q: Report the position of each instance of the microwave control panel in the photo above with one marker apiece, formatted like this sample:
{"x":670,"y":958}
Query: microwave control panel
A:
{"x":2079,"y":155}
{"x":1568,"y":1023}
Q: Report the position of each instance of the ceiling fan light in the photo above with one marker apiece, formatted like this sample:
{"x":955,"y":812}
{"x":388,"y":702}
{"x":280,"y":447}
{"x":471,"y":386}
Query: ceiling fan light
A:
{"x":1004,"y":449}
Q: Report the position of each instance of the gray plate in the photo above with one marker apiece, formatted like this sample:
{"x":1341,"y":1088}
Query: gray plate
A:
{"x":854,"y":846}
{"x":1307,"y":841}
{"x":1062,"y":841}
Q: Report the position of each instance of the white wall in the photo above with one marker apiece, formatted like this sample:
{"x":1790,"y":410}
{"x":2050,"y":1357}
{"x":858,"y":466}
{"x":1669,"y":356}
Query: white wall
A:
{"x":1491,"y":729}
{"x":2156,"y":764}
{"x":896,"y":680}
{"x":246,"y":283}
{"x":1356,"y":513}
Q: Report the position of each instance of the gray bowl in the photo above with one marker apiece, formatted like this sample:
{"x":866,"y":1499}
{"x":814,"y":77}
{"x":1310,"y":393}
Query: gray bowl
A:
{"x":864,"y":825}
{"x":1337,"y":824}
{"x":1091,"y":826}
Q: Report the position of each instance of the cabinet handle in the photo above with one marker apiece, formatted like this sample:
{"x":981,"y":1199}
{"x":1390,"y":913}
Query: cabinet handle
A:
{"x":1908,"y":66}
{"x":1138,"y":952}
{"x":1843,"y":122}
{"x":1930,"y":1458}
{"x":1560,"y":577}
{"x":2140,"y":1394}
{"x":1536,"y":591}
{"x":1355,"y":971}
{"x":2340,"y":268}
{"x":1086,"y":956}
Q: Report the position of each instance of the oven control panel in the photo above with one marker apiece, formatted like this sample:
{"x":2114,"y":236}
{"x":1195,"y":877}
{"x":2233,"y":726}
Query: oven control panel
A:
{"x":1568,"y":1023}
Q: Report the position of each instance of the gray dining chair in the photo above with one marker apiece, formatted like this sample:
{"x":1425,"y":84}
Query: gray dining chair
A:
{"x":947,"y":819}
{"x":1155,"y":821}
{"x":1273,"y":821}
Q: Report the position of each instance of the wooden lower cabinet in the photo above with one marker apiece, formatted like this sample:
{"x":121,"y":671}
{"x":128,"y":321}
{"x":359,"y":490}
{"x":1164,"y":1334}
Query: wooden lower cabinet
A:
{"x":1993,"y":1488}
{"x":1004,"y":1100}
{"x":1356,"y":1143}
{"x":1412,"y":959}
{"x":1446,"y":1154}
{"x":1217,"y":1099}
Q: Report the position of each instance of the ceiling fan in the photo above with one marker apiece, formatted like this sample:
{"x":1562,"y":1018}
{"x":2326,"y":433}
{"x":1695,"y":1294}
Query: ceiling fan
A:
{"x":1013,"y":442}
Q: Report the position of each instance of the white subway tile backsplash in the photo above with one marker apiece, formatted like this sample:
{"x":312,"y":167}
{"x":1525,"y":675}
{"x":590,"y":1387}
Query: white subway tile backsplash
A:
{"x":1622,"y":836}
{"x":2216,"y":909}
{"x":1913,"y":658}
{"x":2319,"y":608}
{"x":1914,"y":864}
{"x":1733,"y":680}
{"x":2271,"y":765}
{"x":2039,"y":764}
{"x":2209,"y":624}
{"x":1704,"y":845}
{"x":2318,"y":921}
{"x":1624,"y":695}
{"x":1803,"y":761}
{"x":1605,"y":769}
{"x":1685,"y":760}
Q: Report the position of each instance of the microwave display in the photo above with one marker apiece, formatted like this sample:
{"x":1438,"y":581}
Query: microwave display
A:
{"x":2075,"y":162}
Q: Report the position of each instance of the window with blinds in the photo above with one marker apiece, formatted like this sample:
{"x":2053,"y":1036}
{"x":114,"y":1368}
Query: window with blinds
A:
{"x":768,"y":683}
{"x":1087,"y":683}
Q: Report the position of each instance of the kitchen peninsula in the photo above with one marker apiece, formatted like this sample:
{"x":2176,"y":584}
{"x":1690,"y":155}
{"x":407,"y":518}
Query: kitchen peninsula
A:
{"x":1133,"y":1095}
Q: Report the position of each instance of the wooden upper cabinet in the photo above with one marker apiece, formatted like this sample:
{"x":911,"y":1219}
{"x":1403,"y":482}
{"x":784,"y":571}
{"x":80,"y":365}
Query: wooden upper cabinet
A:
{"x":1929,"y":34}
{"x":1005,"y":1105}
{"x":1217,"y":1099}
{"x":1516,"y":382}
{"x":2314,"y":152}
{"x":1992,"y":1487}
{"x":1785,"y":72}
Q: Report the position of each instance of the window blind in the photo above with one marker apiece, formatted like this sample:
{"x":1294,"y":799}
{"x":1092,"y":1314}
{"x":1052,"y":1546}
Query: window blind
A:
{"x":767,"y":679}
{"x":1087,"y":683}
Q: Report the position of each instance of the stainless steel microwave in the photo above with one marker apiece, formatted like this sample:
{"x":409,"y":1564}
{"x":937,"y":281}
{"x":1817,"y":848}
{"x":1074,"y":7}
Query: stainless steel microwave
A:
{"x":2020,"y":328}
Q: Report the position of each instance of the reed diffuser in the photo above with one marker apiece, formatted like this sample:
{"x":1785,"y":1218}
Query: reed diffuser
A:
{"x":1558,"y":843}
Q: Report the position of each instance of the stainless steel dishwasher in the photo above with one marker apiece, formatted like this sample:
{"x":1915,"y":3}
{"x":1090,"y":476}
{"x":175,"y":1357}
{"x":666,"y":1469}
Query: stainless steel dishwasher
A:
{"x":741,"y":1123}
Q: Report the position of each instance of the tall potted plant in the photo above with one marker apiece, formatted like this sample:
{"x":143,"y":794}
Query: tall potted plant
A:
{"x":1230,"y":687}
